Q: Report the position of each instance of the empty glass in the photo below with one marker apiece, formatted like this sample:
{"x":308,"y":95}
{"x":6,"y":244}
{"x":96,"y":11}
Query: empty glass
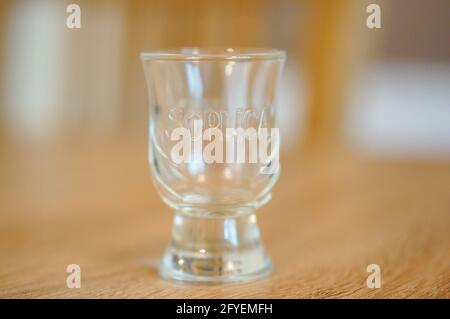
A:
{"x":213,"y":154}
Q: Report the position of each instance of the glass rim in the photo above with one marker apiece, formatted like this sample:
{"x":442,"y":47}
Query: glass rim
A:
{"x":229,"y":54}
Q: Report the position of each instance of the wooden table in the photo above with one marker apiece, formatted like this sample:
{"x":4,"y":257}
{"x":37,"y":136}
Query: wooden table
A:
{"x":332,"y":214}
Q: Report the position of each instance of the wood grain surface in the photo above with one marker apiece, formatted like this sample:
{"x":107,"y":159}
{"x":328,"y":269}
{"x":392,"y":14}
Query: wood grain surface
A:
{"x":332,"y":214}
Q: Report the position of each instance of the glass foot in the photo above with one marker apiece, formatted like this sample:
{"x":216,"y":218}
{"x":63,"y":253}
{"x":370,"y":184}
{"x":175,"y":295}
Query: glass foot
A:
{"x":215,"y":249}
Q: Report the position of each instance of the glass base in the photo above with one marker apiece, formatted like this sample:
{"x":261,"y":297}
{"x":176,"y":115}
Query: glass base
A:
{"x":215,"y":249}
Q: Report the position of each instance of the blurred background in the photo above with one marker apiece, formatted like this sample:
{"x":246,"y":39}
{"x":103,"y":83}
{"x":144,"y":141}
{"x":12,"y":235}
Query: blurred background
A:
{"x":73,"y":104}
{"x":385,"y":90}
